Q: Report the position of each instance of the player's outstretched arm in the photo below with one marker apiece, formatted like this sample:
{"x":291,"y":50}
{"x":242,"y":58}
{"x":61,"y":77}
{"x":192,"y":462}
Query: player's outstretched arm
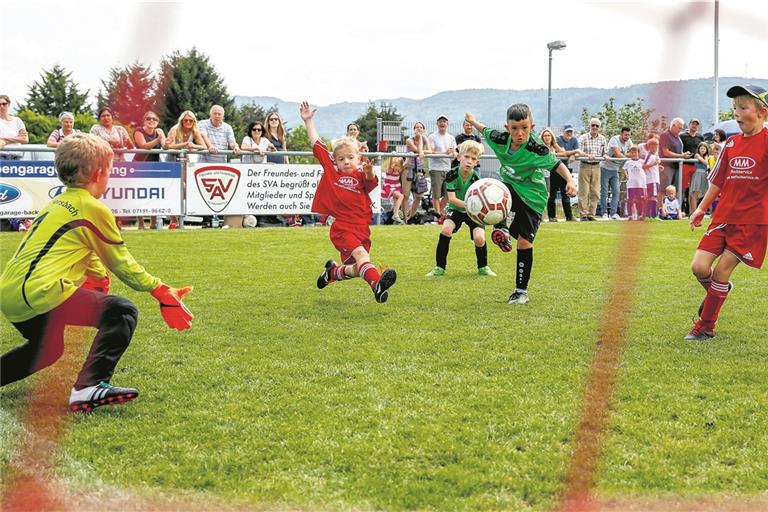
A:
{"x":307,"y":113}
{"x":175,"y":313}
{"x":367,"y":168}
{"x":570,"y":185}
{"x":470,"y":118}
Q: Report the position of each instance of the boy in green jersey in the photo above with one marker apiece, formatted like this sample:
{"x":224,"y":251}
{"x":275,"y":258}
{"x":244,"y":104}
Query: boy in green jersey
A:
{"x":524,"y":158}
{"x":58,"y":277}
{"x":458,"y":180}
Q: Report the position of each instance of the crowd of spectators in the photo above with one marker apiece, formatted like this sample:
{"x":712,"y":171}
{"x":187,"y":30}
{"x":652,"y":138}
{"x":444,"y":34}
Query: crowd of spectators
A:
{"x":602,"y":179}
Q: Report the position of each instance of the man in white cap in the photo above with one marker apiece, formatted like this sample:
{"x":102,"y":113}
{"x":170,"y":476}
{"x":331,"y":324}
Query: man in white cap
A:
{"x":443,"y":143}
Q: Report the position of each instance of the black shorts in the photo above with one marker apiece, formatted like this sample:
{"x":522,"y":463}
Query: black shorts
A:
{"x":459,"y":218}
{"x":524,"y":222}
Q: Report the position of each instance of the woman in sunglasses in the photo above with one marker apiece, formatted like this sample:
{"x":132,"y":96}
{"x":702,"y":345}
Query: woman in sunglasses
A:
{"x":254,"y":141}
{"x":148,"y":136}
{"x":275,"y":133}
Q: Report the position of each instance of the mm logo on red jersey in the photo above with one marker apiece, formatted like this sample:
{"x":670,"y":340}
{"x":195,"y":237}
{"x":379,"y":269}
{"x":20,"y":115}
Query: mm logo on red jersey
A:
{"x":742,"y":163}
{"x":348,"y":181}
{"x":217,"y":185}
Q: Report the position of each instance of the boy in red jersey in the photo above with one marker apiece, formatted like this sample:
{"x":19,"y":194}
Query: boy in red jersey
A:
{"x":343,"y":193}
{"x":739,"y":228}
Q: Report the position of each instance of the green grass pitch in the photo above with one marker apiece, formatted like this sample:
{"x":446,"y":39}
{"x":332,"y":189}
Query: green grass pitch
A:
{"x":445,"y":397}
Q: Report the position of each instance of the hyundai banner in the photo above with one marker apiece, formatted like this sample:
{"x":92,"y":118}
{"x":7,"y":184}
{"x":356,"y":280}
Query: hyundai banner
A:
{"x":135,"y":188}
{"x":260,"y":189}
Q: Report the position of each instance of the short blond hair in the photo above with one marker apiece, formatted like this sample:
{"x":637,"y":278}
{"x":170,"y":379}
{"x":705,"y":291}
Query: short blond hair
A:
{"x":343,"y":142}
{"x":472,"y":148}
{"x":670,"y":189}
{"x":79,"y":156}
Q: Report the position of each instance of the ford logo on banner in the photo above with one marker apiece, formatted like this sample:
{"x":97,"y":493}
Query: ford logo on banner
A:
{"x":8,"y":193}
{"x":55,"y":191}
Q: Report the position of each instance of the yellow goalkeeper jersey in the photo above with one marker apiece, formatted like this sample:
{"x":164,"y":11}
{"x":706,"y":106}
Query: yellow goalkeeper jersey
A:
{"x":74,"y":236}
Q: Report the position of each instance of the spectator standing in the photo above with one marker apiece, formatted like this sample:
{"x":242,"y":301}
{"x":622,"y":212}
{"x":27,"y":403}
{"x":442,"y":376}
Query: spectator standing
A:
{"x":570,"y":147}
{"x":148,"y":136}
{"x":354,"y":131}
{"x":184,"y":135}
{"x":593,"y":144}
{"x":115,"y":135}
{"x":218,"y":136}
{"x":468,"y":133}
{"x":548,"y":138}
{"x":671,"y":146}
{"x":649,"y":153}
{"x":12,"y":129}
{"x":276,"y":135}
{"x":691,"y":140}
{"x":253,"y":141}
{"x":618,"y":147}
{"x":392,"y":186}
{"x":443,"y":143}
{"x":66,"y":128}
{"x":636,"y":184}
{"x":415,"y":181}
{"x":699,"y":179}
{"x":719,"y":136}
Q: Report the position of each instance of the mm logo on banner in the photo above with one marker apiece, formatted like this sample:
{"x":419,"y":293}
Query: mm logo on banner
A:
{"x":217,"y":185}
{"x":8,"y":193}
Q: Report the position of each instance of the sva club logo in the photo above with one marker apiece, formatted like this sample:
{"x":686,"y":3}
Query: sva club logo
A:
{"x":8,"y":193}
{"x":217,"y":185}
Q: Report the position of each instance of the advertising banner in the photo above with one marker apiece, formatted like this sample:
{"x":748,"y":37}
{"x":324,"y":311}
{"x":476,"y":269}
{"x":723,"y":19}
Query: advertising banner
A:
{"x":259,"y":189}
{"x":135,"y":188}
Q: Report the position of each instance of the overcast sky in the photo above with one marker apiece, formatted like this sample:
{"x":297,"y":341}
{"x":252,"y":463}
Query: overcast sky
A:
{"x":338,"y":50}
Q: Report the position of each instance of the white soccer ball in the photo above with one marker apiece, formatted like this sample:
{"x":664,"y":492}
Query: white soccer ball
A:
{"x":249,"y":221}
{"x":487,"y":201}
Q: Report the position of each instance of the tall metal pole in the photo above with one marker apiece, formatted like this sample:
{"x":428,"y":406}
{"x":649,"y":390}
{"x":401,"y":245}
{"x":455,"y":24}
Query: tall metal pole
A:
{"x":717,"y":51}
{"x":549,"y":90}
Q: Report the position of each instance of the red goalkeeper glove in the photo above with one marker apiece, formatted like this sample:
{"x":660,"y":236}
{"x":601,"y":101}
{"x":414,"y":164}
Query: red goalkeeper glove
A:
{"x":175,"y":313}
{"x":97,"y":285}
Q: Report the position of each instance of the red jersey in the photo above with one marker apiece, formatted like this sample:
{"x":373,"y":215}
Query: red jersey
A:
{"x":342,"y":195}
{"x":741,"y":172}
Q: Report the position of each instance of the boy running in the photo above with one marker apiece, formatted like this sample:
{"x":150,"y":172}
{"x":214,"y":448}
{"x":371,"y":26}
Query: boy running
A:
{"x":524,"y":158}
{"x":74,"y":237}
{"x":343,"y":193}
{"x":458,"y":180}
{"x":739,"y":228}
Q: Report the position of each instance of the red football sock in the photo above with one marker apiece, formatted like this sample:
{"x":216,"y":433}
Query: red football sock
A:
{"x":716,"y":295}
{"x":705,"y":281}
{"x":368,"y":272}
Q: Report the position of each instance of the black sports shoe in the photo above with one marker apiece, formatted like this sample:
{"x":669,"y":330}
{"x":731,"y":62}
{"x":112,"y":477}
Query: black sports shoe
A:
{"x":87,"y":399}
{"x":697,"y":334}
{"x":518,"y":298}
{"x":325,"y":277}
{"x":387,"y":279}
{"x":701,"y":306}
{"x":500,"y":237}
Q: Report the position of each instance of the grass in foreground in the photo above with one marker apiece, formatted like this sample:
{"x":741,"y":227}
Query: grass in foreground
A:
{"x":444,"y":397}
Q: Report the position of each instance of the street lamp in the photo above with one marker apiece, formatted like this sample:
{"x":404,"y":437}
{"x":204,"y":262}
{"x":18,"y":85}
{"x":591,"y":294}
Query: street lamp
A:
{"x":554,"y":45}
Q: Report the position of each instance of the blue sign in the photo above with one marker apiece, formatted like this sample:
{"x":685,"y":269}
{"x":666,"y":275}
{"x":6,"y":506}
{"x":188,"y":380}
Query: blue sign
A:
{"x":8,"y":193}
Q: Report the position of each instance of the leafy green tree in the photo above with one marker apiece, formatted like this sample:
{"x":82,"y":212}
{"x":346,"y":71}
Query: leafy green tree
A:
{"x":367,"y":121}
{"x":190,"y":82}
{"x":298,"y":140}
{"x":55,"y":93}
{"x":632,"y":115}
{"x":245,"y":114}
{"x":725,"y":115}
{"x":129,"y":92}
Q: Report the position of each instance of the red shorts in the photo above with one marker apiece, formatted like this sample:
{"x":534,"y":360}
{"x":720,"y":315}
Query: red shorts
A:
{"x":348,"y":237}
{"x":747,"y":242}
{"x":688,"y":170}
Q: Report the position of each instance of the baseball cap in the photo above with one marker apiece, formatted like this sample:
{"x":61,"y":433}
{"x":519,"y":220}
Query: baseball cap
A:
{"x":755,"y":91}
{"x":568,"y":128}
{"x":694,"y":120}
{"x":442,"y":116}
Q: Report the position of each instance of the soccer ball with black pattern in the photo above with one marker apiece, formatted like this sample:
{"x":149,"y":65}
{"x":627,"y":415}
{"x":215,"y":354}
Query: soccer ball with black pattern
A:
{"x":487,"y":201}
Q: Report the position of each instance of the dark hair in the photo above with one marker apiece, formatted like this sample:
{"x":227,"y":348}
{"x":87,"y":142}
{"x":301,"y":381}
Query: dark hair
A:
{"x":105,"y":109}
{"x":352,"y":124}
{"x":249,"y":129}
{"x":625,"y":129}
{"x":518,"y":112}
{"x":720,"y":133}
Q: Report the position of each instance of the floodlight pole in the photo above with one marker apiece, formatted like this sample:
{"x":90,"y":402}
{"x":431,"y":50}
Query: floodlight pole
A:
{"x":554,"y":45}
{"x":717,"y":75}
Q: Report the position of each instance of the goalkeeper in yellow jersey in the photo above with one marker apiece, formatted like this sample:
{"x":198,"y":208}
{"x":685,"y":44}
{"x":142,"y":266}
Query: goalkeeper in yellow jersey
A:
{"x":58,"y":276}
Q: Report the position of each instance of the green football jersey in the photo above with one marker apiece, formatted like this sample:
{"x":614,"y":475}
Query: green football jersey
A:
{"x":524,"y":169}
{"x":75,"y":235}
{"x":456,"y":184}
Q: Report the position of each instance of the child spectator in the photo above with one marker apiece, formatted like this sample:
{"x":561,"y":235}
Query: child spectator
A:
{"x":392,"y":188}
{"x":458,"y":180}
{"x":343,"y":193}
{"x":635,"y":184}
{"x":699,"y":178}
{"x":739,"y":228}
{"x":72,"y":240}
{"x":649,"y":152}
{"x":522,"y":155}
{"x":416,"y":181}
{"x":670,"y":206}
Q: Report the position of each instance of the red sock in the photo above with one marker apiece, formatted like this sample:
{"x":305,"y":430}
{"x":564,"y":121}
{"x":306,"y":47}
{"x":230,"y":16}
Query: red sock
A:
{"x":716,"y":295}
{"x":339,"y":273}
{"x":705,"y":281}
{"x":369,"y":273}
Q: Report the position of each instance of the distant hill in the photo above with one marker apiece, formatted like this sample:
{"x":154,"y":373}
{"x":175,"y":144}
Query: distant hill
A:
{"x":489,"y":105}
